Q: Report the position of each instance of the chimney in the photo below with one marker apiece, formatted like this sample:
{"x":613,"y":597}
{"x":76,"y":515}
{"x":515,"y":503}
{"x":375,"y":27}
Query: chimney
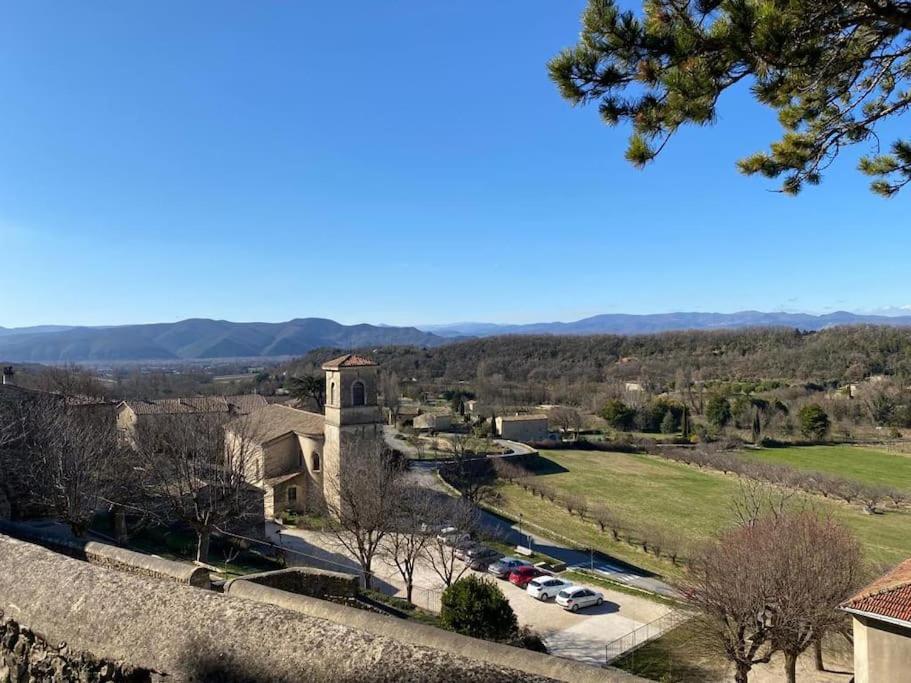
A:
{"x":8,"y":374}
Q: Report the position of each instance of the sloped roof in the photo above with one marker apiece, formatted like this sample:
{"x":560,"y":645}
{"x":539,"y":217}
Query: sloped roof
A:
{"x":349,"y":360}
{"x":243,"y":404}
{"x":523,"y":418}
{"x":273,"y":421}
{"x":889,"y":596}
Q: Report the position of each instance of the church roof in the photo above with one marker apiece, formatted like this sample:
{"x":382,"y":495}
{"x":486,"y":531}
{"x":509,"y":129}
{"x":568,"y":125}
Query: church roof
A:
{"x":349,"y":360}
{"x":273,"y":421}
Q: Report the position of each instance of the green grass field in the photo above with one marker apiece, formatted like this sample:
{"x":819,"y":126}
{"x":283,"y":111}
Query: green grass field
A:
{"x":692,"y":503}
{"x":852,"y":462}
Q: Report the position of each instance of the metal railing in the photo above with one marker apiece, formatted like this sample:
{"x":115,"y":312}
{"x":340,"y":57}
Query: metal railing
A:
{"x":643,"y":634}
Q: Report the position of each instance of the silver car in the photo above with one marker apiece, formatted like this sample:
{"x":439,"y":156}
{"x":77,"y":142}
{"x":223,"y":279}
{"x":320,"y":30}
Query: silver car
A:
{"x":503,"y":568}
{"x":578,"y":597}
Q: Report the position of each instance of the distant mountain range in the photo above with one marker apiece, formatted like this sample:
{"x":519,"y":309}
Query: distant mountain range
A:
{"x":201,"y":338}
{"x":197,"y":339}
{"x":622,"y":323}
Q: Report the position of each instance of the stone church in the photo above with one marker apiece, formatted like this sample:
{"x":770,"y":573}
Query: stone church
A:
{"x":296,"y":456}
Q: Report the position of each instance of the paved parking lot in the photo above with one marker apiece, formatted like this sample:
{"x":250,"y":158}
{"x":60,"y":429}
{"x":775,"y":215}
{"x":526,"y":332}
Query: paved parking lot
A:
{"x":580,"y":636}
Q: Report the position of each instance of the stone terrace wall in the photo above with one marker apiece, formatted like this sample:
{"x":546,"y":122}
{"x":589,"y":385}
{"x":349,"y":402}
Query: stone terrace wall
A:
{"x":112,"y":556}
{"x":305,"y":581}
{"x":190,"y":634}
{"x":25,"y":656}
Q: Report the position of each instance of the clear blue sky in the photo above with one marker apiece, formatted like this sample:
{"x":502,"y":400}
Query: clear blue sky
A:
{"x":397,"y":162}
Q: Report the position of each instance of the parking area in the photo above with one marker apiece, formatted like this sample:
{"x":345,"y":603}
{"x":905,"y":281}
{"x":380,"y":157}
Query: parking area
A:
{"x":581,"y":636}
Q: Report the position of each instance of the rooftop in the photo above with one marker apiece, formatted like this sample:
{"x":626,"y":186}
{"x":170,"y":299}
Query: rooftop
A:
{"x":521,"y":418}
{"x":243,"y":403}
{"x":889,"y":596}
{"x":273,"y":421}
{"x":349,"y":360}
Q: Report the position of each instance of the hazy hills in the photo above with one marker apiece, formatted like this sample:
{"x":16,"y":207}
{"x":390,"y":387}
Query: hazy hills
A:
{"x":621,"y":323}
{"x":202,"y":338}
{"x":199,"y":338}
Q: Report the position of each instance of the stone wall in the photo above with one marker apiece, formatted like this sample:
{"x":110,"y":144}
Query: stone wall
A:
{"x":189,"y":634}
{"x":317,"y":583}
{"x":112,"y":556}
{"x":26,"y":656}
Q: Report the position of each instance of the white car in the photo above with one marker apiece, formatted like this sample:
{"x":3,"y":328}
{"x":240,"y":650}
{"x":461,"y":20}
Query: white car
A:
{"x":546,"y":587}
{"x":578,"y":597}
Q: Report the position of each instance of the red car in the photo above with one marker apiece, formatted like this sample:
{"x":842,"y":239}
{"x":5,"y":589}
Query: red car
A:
{"x":520,"y":576}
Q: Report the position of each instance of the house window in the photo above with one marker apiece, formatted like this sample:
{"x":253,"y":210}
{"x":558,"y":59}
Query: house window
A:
{"x":314,"y":461}
{"x":332,"y":393}
{"x":358,"y":394}
{"x":292,"y":494}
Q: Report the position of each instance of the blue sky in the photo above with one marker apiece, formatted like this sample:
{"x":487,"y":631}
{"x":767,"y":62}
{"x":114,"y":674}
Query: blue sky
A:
{"x":397,"y":162}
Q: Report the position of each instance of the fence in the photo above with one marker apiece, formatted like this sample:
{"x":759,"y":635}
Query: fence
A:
{"x":644,"y":634}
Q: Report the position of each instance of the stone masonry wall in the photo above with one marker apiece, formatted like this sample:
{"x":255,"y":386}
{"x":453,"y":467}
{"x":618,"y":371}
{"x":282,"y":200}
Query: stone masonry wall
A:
{"x":27,"y":657}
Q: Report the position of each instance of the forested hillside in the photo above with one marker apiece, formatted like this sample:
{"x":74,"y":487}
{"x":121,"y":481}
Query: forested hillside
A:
{"x":830,"y":356}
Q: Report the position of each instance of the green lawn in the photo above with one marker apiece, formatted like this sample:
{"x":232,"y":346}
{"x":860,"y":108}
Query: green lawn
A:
{"x":692,"y":503}
{"x":852,"y":462}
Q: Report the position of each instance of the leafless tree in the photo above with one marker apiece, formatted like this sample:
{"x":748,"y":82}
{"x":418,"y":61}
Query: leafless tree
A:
{"x":816,"y":564}
{"x":75,"y":461}
{"x":468,"y":473}
{"x":730,"y":593}
{"x":407,"y":540}
{"x":392,"y":394}
{"x":463,"y":518}
{"x":363,"y":500}
{"x":565,"y":419}
{"x":194,"y":473}
{"x":607,"y":519}
{"x":756,"y":500}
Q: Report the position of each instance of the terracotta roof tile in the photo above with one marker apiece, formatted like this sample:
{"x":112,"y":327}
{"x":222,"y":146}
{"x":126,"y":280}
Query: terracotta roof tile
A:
{"x":275,"y":420}
{"x":349,"y":360}
{"x":888,"y":596}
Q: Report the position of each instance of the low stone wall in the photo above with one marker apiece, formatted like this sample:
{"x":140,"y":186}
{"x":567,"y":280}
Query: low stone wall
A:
{"x":532,"y":664}
{"x":26,"y":656}
{"x":317,"y":583}
{"x":187,"y":634}
{"x":112,"y":556}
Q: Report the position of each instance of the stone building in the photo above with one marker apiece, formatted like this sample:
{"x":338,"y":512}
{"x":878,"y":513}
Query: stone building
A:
{"x":297,"y":457}
{"x":881,"y":613}
{"x":526,"y":428}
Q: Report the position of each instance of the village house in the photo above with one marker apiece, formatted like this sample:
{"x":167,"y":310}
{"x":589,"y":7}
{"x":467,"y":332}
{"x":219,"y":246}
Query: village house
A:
{"x":526,"y":428}
{"x":881,"y":614}
{"x":432,"y":422}
{"x":297,"y":457}
{"x":130,"y":414}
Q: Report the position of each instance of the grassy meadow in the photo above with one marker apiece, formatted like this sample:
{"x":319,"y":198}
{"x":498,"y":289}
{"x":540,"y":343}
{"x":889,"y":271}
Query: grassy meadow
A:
{"x":691,"y":503}
{"x":852,"y":462}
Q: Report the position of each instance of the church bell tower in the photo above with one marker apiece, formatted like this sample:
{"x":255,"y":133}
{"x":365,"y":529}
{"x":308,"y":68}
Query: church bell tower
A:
{"x":352,"y":412}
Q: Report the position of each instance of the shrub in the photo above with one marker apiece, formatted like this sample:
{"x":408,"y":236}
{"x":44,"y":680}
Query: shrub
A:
{"x":814,"y":422}
{"x":718,"y":411}
{"x":476,"y":607}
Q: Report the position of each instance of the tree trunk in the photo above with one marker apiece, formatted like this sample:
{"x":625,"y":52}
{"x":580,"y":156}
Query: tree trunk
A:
{"x":202,"y":546}
{"x":120,"y":526}
{"x":790,"y":667}
{"x":742,"y":674}
{"x":409,"y":589}
{"x":817,"y":651}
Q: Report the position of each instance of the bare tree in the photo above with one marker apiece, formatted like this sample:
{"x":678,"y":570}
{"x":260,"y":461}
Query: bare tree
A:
{"x":363,"y":500}
{"x":566,"y":420}
{"x":729,"y":591}
{"x":192,"y":473}
{"x":75,"y":461}
{"x":817,"y":564}
{"x":467,"y":472}
{"x":409,"y":537}
{"x":462,"y":518}
{"x":774,"y":584}
{"x":392,"y":394}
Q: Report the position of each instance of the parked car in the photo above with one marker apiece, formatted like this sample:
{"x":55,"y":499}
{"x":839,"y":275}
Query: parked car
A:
{"x":464,"y":549}
{"x":502,"y":568}
{"x":452,"y":537}
{"x":483,"y":558}
{"x":578,"y":597}
{"x":520,"y":576}
{"x":546,"y":587}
